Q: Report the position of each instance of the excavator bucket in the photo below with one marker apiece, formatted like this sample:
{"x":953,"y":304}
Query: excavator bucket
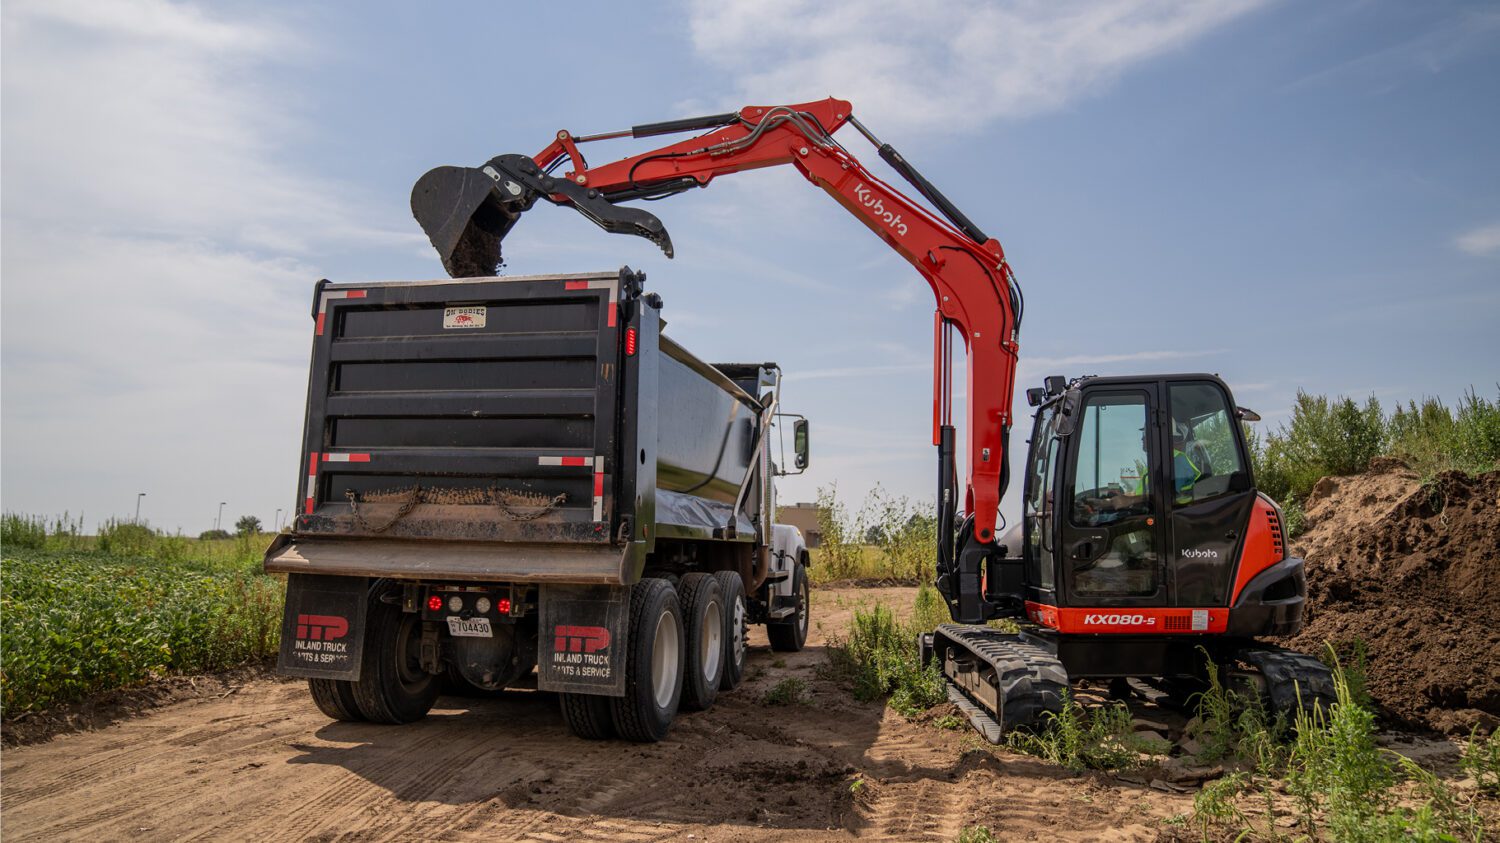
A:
{"x":466,"y":214}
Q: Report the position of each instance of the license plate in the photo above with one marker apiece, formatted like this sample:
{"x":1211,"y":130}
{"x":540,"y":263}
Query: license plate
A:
{"x":470,"y":628}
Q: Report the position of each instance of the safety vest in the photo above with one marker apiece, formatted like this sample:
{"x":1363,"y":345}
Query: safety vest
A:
{"x":1184,"y":471}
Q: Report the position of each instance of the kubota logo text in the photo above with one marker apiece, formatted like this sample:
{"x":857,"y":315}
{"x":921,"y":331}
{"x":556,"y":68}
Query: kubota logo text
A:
{"x":1118,"y":620}
{"x":871,"y":201}
{"x":580,"y":639}
{"x":321,"y":627}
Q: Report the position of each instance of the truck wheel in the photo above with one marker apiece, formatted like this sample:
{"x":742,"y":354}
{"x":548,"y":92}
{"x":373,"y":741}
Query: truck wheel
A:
{"x":335,"y":699}
{"x":393,"y":687}
{"x":736,"y":628}
{"x":587,"y":716}
{"x":703,"y":620}
{"x":653,"y":664}
{"x":788,"y":635}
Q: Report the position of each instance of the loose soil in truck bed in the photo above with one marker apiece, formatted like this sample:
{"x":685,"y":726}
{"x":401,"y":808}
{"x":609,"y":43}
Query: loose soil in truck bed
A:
{"x":1412,"y":569}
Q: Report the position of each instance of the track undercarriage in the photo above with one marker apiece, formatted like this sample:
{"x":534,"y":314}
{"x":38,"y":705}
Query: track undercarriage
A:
{"x":1007,"y":680}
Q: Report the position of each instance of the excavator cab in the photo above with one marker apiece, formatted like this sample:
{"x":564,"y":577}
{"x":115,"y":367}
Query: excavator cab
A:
{"x":1137,"y":493}
{"x":1144,"y":545}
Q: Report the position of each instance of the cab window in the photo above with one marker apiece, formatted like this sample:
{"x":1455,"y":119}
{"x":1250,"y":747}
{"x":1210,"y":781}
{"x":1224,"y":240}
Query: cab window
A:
{"x":1039,"y":499}
{"x":1205,"y":452}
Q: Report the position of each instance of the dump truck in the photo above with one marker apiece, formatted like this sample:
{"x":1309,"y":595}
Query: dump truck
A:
{"x":508,"y":476}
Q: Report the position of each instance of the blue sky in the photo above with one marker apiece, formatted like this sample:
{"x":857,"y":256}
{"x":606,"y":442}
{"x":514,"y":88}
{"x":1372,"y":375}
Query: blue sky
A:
{"x":1293,"y":195}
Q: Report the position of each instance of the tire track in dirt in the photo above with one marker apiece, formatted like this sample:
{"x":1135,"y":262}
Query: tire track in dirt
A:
{"x":263,"y":763}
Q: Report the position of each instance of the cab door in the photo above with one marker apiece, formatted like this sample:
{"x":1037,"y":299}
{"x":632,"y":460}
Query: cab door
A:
{"x":1111,"y":533}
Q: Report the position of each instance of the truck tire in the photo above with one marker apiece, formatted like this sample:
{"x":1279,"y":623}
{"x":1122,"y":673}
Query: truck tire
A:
{"x":788,"y":636}
{"x":703,"y":621}
{"x":653,"y":664}
{"x":587,"y":716}
{"x":736,"y":628}
{"x":393,"y":687}
{"x":335,"y":699}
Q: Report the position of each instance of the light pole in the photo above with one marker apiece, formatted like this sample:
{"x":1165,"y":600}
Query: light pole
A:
{"x":278,"y":520}
{"x":220,"y":517}
{"x":138,"y":496}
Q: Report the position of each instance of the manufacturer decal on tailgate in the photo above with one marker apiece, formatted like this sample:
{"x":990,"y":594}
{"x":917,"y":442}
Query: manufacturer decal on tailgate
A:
{"x":464,"y":317}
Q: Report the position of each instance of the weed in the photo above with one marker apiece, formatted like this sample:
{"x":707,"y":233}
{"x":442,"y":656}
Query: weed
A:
{"x":950,"y":722}
{"x":1079,"y":739}
{"x":879,"y":658}
{"x":1481,"y":759}
{"x":790,"y":691}
{"x":976,"y":834}
{"x":1215,"y":803}
{"x":778,"y":663}
{"x":856,"y":786}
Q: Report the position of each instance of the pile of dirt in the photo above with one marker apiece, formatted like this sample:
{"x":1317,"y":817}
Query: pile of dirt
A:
{"x":1412,"y":569}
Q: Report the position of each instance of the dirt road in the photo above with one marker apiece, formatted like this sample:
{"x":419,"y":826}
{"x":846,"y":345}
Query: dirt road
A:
{"x":262,"y":763}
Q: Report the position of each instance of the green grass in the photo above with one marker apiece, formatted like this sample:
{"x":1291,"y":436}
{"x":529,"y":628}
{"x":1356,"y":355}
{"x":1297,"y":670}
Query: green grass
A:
{"x":1342,"y":784}
{"x":790,"y":691}
{"x":878,"y":655}
{"x":83,"y":615}
{"x":1101,"y":738}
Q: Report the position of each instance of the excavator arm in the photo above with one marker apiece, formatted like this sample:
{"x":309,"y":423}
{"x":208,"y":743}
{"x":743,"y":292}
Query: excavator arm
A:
{"x":467,"y":212}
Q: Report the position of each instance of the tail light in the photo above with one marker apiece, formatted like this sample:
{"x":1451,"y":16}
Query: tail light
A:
{"x":629,"y":342}
{"x":503,"y":605}
{"x":434,"y":603}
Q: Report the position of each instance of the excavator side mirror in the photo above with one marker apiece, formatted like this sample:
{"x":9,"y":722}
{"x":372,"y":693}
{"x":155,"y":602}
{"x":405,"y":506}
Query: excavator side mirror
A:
{"x":1239,"y":481}
{"x":799,"y":442}
{"x":1035,"y":396}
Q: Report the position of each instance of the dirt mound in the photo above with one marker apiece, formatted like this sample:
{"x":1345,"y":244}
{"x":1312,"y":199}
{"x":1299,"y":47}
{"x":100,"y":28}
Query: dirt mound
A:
{"x":1413,"y":570}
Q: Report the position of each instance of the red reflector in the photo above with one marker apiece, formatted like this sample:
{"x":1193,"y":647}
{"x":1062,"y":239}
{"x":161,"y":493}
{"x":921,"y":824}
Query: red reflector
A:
{"x":629,"y":342}
{"x":435,"y":603}
{"x":503,"y":606}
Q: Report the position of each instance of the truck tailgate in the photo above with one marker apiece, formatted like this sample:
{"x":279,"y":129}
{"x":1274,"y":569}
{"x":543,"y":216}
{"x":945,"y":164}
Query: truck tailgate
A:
{"x":469,"y":410}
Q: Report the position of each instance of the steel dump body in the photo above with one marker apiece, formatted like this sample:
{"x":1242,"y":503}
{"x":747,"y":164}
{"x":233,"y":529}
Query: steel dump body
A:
{"x":522,"y":429}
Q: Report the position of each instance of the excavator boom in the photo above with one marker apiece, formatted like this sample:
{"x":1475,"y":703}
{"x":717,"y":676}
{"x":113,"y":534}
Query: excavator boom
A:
{"x":467,"y":212}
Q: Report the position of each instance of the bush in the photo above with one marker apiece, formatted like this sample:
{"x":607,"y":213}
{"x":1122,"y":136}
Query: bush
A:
{"x":80,"y":623}
{"x":879,"y":658}
{"x":213,"y":535}
{"x":839,"y":553}
{"x":791,"y":691}
{"x":22,"y":531}
{"x":1098,"y":739}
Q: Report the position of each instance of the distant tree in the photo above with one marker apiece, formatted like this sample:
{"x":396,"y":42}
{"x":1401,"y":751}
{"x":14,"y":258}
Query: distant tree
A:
{"x":210,"y":535}
{"x":246,"y":525}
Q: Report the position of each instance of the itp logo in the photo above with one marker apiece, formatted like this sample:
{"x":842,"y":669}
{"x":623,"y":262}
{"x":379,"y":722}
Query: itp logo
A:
{"x":321,"y":627}
{"x":580,"y":639}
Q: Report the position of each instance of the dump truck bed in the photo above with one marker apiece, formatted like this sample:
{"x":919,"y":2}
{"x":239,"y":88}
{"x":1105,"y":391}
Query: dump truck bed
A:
{"x":489,"y":428}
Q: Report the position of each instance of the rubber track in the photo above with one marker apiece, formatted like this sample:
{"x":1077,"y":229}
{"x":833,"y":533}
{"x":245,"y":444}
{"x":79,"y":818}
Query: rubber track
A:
{"x":1292,"y":679}
{"x":1030,"y":679}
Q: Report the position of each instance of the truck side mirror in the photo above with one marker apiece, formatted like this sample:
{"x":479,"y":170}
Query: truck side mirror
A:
{"x":799,"y":442}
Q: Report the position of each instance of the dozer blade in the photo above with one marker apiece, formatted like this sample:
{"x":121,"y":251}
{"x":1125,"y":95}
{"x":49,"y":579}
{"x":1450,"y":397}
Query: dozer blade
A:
{"x":999,"y":680}
{"x":466,"y":213}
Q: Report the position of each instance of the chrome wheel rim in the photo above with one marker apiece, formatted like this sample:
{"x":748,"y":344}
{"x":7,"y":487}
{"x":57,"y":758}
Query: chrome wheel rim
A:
{"x":711,"y":643}
{"x":665,"y":660}
{"x":802,"y":601}
{"x":737,"y":641}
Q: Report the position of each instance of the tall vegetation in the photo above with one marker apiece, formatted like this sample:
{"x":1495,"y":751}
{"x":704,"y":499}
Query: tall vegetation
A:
{"x":889,"y":538}
{"x":1334,"y":437}
{"x":80,"y":615}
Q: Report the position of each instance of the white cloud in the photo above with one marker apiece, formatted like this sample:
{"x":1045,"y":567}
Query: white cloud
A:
{"x":943,"y":64}
{"x":1481,"y":241}
{"x":155,"y":333}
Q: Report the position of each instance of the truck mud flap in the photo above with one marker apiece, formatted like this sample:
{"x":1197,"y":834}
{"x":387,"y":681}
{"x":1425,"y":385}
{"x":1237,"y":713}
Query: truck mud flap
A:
{"x":583,"y":638}
{"x":323,"y":626}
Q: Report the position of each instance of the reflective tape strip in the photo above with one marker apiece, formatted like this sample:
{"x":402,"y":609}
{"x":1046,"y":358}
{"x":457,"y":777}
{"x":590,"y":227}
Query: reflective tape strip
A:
{"x":598,"y":488}
{"x":612,"y":285}
{"x":312,"y":482}
{"x":562,"y":460}
{"x":335,"y":294}
{"x":346,"y":458}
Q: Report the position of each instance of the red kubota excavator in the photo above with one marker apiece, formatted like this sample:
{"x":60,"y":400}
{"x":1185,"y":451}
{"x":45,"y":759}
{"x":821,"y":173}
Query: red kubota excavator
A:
{"x":1145,"y":551}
